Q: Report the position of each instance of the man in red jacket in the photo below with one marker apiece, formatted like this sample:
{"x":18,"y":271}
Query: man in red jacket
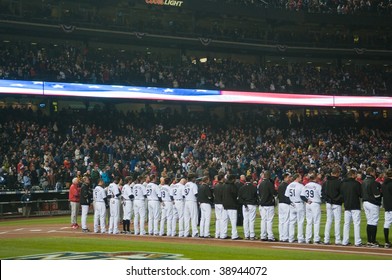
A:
{"x":74,"y":198}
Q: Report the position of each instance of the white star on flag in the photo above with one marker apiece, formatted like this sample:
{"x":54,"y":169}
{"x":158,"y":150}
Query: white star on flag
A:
{"x":168,"y":90}
{"x":16,"y":85}
{"x":94,"y":87}
{"x":58,"y":86}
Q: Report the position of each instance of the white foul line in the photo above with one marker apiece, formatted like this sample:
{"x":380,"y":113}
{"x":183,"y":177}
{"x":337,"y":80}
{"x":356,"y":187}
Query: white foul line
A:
{"x":332,"y":251}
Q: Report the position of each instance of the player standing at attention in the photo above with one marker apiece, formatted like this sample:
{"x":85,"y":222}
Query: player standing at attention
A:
{"x":230,"y":205}
{"x":371,"y":197}
{"x":311,"y":194}
{"x":114,"y":195}
{"x":176,"y":191}
{"x":266,"y":192}
{"x":127,"y":198}
{"x":247,"y":197}
{"x":284,"y":209}
{"x":331,"y":194}
{"x":166,"y":208}
{"x":139,"y":206}
{"x":153,"y":202}
{"x":85,"y":200}
{"x":220,"y":213}
{"x":100,"y":206}
{"x":351,"y":192}
{"x":74,"y":199}
{"x":297,"y":210}
{"x":387,"y":203}
{"x":204,"y":199}
{"x":190,"y":212}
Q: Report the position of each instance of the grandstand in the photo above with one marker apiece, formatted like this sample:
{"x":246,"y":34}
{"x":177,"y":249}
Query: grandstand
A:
{"x":253,"y":46}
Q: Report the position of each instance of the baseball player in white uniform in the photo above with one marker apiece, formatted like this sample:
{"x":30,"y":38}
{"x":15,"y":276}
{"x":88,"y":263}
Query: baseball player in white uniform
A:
{"x":100,"y":203}
{"x":154,"y":199}
{"x":297,"y":210}
{"x":166,"y":208}
{"x":284,"y":209}
{"x":311,"y":194}
{"x":139,"y":207}
{"x":127,"y":200}
{"x":191,"y":212}
{"x":176,"y":191}
{"x":114,"y":194}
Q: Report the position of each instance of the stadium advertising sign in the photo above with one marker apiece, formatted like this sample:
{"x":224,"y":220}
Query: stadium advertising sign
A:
{"x":173,"y":3}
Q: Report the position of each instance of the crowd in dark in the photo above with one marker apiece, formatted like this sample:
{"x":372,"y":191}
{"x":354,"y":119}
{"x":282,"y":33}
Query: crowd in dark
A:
{"x":124,"y":17}
{"x":381,"y":7}
{"x":82,"y":64}
{"x":107,"y":143}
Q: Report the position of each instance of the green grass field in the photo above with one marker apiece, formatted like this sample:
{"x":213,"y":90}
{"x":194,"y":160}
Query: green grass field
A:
{"x":14,"y":247}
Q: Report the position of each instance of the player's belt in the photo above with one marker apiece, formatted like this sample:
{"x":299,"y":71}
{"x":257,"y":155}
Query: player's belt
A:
{"x":178,"y":199}
{"x":298,"y":202}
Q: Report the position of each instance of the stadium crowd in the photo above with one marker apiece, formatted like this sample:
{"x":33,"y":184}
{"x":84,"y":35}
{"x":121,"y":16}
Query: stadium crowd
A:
{"x":177,"y":142}
{"x":245,"y":30}
{"x":81,"y":64}
{"x":380,"y":7}
{"x":107,"y":149}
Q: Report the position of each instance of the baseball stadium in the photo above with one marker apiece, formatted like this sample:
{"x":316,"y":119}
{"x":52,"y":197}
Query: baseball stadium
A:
{"x":195,"y":130}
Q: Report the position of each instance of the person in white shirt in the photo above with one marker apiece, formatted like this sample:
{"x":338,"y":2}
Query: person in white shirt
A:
{"x":311,"y":194}
{"x":127,"y":198}
{"x":100,"y":205}
{"x":139,"y":206}
{"x":114,"y":195}
{"x":166,"y":207}
{"x":154,"y":199}
{"x":191,"y":212}
{"x":297,"y":210}
{"x":176,"y":191}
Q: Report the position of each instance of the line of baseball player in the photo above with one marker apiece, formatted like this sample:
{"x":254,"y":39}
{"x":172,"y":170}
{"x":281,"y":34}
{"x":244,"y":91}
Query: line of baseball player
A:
{"x":178,"y":201}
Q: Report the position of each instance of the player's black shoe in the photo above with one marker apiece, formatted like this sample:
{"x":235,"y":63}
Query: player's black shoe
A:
{"x":387,"y":245}
{"x":237,"y":238}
